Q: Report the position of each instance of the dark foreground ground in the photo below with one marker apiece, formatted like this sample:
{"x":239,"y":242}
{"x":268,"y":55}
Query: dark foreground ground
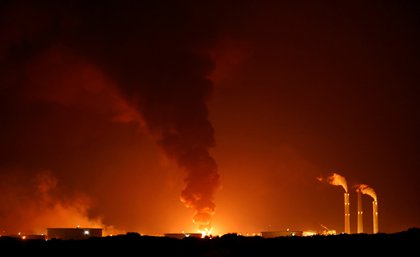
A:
{"x":405,"y":243}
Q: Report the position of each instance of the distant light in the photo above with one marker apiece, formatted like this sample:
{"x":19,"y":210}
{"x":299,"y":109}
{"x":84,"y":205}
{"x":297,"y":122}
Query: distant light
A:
{"x":86,"y":232}
{"x":23,"y":237}
{"x":310,"y":233}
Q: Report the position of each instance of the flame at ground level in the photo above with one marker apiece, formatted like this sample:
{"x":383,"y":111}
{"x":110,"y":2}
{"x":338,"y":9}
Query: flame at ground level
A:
{"x":206,"y":232}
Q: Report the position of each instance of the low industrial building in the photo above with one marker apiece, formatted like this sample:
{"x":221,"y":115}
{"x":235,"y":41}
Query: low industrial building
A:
{"x":272,"y":234}
{"x":24,"y":236}
{"x":73,"y":233}
{"x":35,"y":237}
{"x":183,"y":235}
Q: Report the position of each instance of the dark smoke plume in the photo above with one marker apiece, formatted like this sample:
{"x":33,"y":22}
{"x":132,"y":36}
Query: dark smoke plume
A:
{"x":154,"y":52}
{"x":40,"y":206}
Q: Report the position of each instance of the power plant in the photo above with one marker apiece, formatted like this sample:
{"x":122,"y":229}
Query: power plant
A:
{"x":359,"y":212}
{"x":338,"y":180}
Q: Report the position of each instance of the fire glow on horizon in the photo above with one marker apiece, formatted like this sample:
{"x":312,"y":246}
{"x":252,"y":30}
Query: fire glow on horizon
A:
{"x":205,"y":116}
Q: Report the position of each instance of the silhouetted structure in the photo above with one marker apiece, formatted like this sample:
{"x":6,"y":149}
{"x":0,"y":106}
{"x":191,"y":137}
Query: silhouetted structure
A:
{"x":273,"y":234}
{"x":183,"y":235}
{"x":73,"y":233}
{"x":229,"y":245}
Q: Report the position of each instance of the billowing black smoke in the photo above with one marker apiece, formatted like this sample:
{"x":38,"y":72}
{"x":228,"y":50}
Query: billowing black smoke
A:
{"x":156,"y":52}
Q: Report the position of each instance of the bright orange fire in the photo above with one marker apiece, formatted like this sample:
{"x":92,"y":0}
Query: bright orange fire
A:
{"x":206,"y":232}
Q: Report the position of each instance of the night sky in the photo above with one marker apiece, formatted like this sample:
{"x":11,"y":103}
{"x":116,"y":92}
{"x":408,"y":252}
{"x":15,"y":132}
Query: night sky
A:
{"x":144,"y":115}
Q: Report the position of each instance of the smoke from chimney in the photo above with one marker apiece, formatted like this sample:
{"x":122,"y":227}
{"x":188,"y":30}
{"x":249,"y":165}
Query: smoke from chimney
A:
{"x":337,"y":180}
{"x":367,"y":190}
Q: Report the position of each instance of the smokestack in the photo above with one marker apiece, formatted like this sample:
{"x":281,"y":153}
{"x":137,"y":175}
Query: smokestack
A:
{"x":346,"y":213}
{"x":359,"y":212}
{"x":365,"y":189}
{"x":375,"y":216}
{"x":338,"y":180}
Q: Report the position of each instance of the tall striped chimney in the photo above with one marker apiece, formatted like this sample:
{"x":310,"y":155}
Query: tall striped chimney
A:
{"x":359,"y":212}
{"x":375,"y":217}
{"x":346,"y":213}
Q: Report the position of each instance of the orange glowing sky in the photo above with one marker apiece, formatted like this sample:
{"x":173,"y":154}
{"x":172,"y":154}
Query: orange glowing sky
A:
{"x":298,"y":91}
